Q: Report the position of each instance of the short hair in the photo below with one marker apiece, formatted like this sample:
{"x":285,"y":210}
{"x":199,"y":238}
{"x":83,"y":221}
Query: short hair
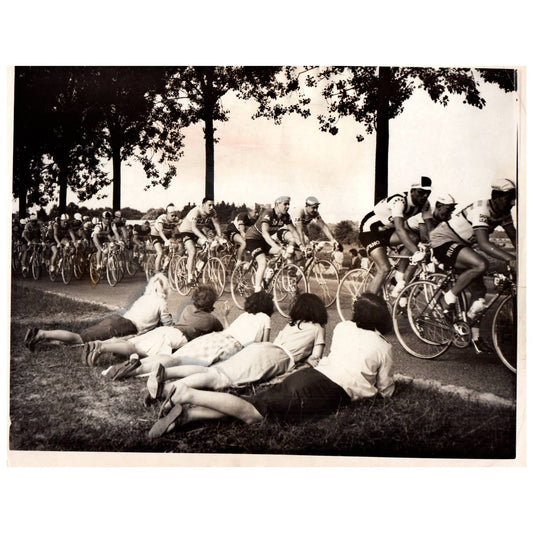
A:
{"x":498,"y":194}
{"x":362,"y":252}
{"x":207,"y":199}
{"x":353,"y":251}
{"x":259,"y":302}
{"x":158,"y":285}
{"x":204,"y":297}
{"x":370,"y":311}
{"x":308,"y":308}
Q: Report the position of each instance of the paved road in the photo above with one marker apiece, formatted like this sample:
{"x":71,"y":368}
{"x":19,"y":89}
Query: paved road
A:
{"x":483,"y":373}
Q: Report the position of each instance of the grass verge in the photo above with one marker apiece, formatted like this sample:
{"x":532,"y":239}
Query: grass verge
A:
{"x":57,"y":404}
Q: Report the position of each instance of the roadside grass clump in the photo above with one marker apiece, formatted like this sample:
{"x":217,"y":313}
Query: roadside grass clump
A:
{"x":58,"y":404}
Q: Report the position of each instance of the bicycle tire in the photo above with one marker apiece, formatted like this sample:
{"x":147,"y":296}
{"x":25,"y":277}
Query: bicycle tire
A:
{"x":420,"y":326}
{"x":132,"y":266}
{"x":66,"y":269}
{"x":323,"y":280}
{"x":35,"y":267}
{"x":242,"y":283}
{"x":214,"y":273}
{"x":149,"y":267}
{"x":77,"y":267}
{"x":94,"y":273}
{"x":351,"y":286}
{"x":112,"y":270}
{"x":504,"y":332}
{"x":181,"y":277}
{"x":289,"y":283}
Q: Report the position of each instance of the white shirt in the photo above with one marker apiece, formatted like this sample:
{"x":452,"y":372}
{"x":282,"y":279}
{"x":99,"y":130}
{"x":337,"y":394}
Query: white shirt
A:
{"x":360,"y":361}
{"x":148,"y":311}
{"x":159,"y":341}
{"x":248,"y":328}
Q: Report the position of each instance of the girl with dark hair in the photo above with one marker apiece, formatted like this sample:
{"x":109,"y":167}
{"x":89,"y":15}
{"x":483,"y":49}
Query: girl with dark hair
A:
{"x":251,"y":326}
{"x":359,"y":366}
{"x":303,"y":337}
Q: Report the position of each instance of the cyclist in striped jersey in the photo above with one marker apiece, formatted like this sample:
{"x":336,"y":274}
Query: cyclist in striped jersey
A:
{"x":386,"y":225}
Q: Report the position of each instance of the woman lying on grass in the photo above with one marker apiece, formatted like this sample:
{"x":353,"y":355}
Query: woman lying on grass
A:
{"x":195,"y":320}
{"x":251,"y":326}
{"x":359,"y":366}
{"x":145,"y":314}
{"x":303,"y":337}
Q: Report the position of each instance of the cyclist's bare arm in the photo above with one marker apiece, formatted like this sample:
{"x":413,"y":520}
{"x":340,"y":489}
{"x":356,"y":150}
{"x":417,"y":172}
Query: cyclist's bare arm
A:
{"x":325,"y":228}
{"x":96,"y":242}
{"x":265,"y":226}
{"x":115,"y":232}
{"x":511,"y":233}
{"x":159,"y":228}
{"x":56,"y":237}
{"x":299,"y":241}
{"x":300,"y":230}
{"x":482,"y":237}
{"x":401,"y":231}
{"x":197,"y":231}
{"x":217,"y":226}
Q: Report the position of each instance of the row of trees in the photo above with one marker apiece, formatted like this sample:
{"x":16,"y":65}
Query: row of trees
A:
{"x":70,"y":121}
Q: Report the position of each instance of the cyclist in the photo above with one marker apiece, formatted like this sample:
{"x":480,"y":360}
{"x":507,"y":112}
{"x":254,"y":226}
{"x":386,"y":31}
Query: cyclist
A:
{"x":386,"y":225}
{"x":259,"y":236}
{"x":118,"y":225}
{"x":164,"y":229}
{"x":30,"y":235}
{"x":102,"y":232}
{"x":444,"y":207}
{"x":452,"y":245}
{"x":193,"y":230}
{"x":236,"y":233}
{"x":141,"y":234}
{"x":62,"y":233}
{"x":309,"y":213}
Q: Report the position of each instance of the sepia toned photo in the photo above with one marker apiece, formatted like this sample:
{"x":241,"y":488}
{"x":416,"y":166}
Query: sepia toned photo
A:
{"x":238,"y":265}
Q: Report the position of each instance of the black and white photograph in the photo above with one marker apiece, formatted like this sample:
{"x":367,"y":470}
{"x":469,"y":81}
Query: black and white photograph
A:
{"x":314,"y":262}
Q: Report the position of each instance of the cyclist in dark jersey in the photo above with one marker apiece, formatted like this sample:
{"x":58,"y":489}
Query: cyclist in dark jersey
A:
{"x":236,"y":233}
{"x":165,"y":228}
{"x":259,"y":236}
{"x":62,"y":234}
{"x":30,"y":235}
{"x":102,"y":232}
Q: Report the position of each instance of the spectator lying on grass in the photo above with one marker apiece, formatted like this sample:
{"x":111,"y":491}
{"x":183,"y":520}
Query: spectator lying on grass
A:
{"x":251,"y":326}
{"x":148,"y":311}
{"x":303,"y":337}
{"x":359,"y":366}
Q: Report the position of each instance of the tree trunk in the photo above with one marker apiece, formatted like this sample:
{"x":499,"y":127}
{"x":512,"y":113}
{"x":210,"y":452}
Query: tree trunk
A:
{"x":209,"y":106}
{"x":382,"y":135}
{"x":23,"y":204}
{"x":116,"y":148}
{"x":62,"y":170}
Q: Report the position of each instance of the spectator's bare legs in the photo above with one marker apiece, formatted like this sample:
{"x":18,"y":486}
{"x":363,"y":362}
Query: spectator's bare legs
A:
{"x":68,"y":337}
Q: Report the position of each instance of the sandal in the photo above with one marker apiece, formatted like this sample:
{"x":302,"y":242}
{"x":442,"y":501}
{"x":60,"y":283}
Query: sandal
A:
{"x":85,"y":351}
{"x":156,"y":382}
{"x":94,"y":353}
{"x":125,"y":370}
{"x":30,"y":339}
{"x":162,"y":425}
{"x":168,"y":402}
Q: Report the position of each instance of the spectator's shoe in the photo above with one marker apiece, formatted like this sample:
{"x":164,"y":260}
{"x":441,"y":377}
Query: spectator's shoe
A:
{"x":30,"y":340}
{"x":162,"y":426}
{"x":94,"y":353}
{"x":480,"y":346}
{"x":156,"y":382}
{"x":85,"y":351}
{"x":122,"y":370}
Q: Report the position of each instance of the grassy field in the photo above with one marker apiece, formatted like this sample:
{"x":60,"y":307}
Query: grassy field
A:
{"x":57,"y":404}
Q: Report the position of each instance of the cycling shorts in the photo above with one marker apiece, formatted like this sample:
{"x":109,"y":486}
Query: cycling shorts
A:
{"x":372,"y":240}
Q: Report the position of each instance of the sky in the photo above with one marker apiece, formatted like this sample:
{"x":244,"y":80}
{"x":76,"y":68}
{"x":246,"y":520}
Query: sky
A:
{"x":460,"y":147}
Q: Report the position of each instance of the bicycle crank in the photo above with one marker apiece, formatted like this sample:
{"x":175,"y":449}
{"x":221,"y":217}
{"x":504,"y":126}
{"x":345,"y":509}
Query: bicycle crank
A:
{"x":462,"y":334}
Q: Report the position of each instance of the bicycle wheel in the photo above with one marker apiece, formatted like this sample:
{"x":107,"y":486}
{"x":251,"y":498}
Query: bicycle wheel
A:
{"x":77,"y":265}
{"x":35,"y":267}
{"x":420,"y":326}
{"x":289,"y":283}
{"x":131,"y":263}
{"x":214,"y":273}
{"x":66,"y":268}
{"x":504,"y":332}
{"x":180,"y":277}
{"x":242,"y":283}
{"x":113,"y":270}
{"x":94,"y":273}
{"x":323,"y":280}
{"x":351,"y":286}
{"x":149,"y":267}
{"x":15,"y":260}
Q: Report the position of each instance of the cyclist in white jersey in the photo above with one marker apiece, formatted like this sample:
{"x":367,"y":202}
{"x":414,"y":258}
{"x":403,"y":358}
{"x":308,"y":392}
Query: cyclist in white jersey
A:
{"x":193,"y":230}
{"x":386,"y":225}
{"x":452,"y":245}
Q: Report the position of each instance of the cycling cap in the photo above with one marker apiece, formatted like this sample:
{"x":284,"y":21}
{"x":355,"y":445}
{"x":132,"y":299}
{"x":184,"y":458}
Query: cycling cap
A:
{"x":77,"y":216}
{"x":95,"y":220}
{"x":64,"y":216}
{"x":33,"y":218}
{"x":423,"y":183}
{"x":503,"y":184}
{"x":312,"y":200}
{"x":118,"y":214}
{"x":23,"y":221}
{"x":86,"y":218}
{"x":446,"y":199}
{"x":280,"y":199}
{"x":171,"y":209}
{"x":106,"y":214}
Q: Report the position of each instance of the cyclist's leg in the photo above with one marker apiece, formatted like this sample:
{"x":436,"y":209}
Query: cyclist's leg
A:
{"x":240,"y":245}
{"x":190,"y":247}
{"x":383,"y":266}
{"x":405,"y":270}
{"x":474,"y":266}
{"x":25,"y":248}
{"x":54,"y":256}
{"x":261,"y":267}
{"x":158,"y":255}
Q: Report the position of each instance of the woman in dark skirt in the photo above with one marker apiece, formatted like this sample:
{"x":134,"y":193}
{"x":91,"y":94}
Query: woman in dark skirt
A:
{"x":359,"y":366}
